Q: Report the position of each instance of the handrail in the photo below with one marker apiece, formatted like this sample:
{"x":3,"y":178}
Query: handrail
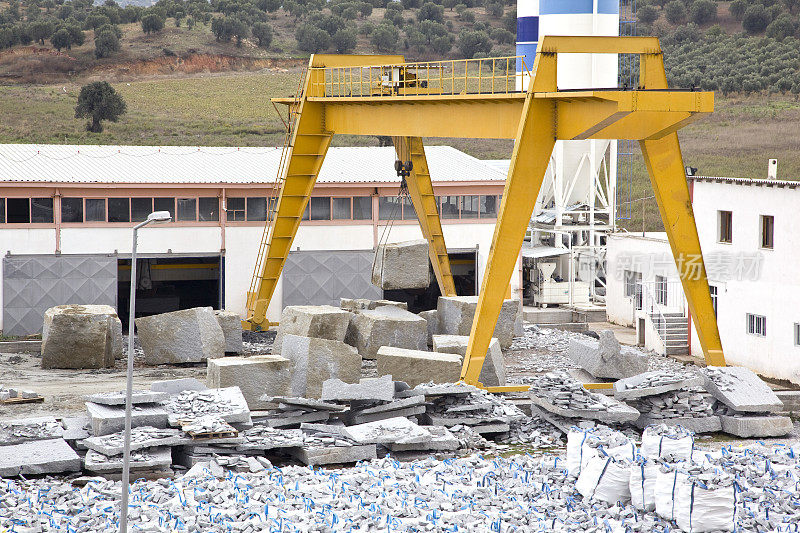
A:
{"x":653,"y":307}
{"x":491,"y":75}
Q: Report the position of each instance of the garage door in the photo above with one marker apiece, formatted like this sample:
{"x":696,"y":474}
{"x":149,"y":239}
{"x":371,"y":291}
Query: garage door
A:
{"x":323,"y":277}
{"x":34,"y":283}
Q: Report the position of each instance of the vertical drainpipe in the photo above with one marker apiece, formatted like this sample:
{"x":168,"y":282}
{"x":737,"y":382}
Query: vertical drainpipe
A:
{"x":689,"y":314}
{"x":223,"y":217}
{"x":57,"y":218}
{"x":375,"y":218}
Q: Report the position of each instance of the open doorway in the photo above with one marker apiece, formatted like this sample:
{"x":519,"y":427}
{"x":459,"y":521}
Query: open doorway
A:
{"x":167,"y":284}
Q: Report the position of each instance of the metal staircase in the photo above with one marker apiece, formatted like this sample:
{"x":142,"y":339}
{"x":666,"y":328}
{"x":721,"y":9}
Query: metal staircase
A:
{"x":671,"y":325}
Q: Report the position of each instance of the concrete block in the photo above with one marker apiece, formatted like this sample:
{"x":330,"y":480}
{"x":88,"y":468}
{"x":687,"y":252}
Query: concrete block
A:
{"x":39,"y":457}
{"x":231,"y":324}
{"x":174,"y":386}
{"x":432,"y":317}
{"x":456,"y":314}
{"x":118,"y":397}
{"x":388,"y":431}
{"x":606,"y":358}
{"x":493,"y":372}
{"x":368,"y":389}
{"x":402,"y":265}
{"x":416,"y":366}
{"x":255,"y":376}
{"x":329,"y":455}
{"x":313,"y":361}
{"x":111,"y":419}
{"x":317,"y":321}
{"x":757,"y":426}
{"x":741,"y":389}
{"x":151,"y":458}
{"x":386,"y":326}
{"x":187,"y":336}
{"x":81,"y":336}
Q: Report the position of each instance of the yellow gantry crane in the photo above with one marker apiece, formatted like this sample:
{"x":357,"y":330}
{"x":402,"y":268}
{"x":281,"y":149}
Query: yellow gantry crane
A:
{"x":384,"y":95}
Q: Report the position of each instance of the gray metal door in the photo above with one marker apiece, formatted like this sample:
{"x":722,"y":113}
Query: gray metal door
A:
{"x":313,"y":277}
{"x":34,"y":283}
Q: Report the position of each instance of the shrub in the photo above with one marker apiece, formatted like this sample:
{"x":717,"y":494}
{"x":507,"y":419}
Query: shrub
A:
{"x":755,"y":19}
{"x":152,"y":23}
{"x":263,"y":34}
{"x":472,"y":42}
{"x":675,"y":12}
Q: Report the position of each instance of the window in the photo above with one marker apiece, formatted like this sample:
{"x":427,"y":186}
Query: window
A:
{"x":72,"y":210}
{"x":449,"y":207}
{"x":320,"y":208}
{"x":141,"y":208}
{"x":257,"y":208}
{"x":42,"y":210}
{"x":341,"y":208}
{"x":119,"y":210}
{"x":725,"y":226}
{"x":757,"y":325}
{"x":409,"y":213}
{"x":187,"y":209}
{"x":2,"y":210}
{"x":165,"y":204}
{"x":488,"y":206}
{"x":661,"y":290}
{"x":18,"y":210}
{"x":767,"y":229}
{"x":469,"y":206}
{"x":96,"y":210}
{"x":235,"y":209}
{"x":362,"y":208}
{"x":796,"y":334}
{"x":713,"y":290}
{"x":389,"y":208}
{"x":209,"y":209}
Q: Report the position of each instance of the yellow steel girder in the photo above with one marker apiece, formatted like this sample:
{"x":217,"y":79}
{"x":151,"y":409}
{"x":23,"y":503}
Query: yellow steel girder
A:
{"x":535,"y":119}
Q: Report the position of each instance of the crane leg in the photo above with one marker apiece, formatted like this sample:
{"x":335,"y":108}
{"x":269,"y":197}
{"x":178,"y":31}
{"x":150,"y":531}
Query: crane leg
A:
{"x":532,"y":150}
{"x":667,"y":173}
{"x":424,"y":200}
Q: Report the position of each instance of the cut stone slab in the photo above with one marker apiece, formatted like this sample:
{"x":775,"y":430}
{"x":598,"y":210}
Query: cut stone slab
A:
{"x":175,"y":386}
{"x":328,"y":455}
{"x":76,"y":428}
{"x":416,"y":367}
{"x":81,"y":336}
{"x":605,"y":358}
{"x":40,"y":457}
{"x":187,"y":336}
{"x":402,"y":265}
{"x":441,"y":440}
{"x":228,"y":404}
{"x":141,"y":459}
{"x":367,"y":389}
{"x":255,"y":376}
{"x":407,"y":412}
{"x":317,"y":321}
{"x":386,"y":326}
{"x":107,"y":419}
{"x":632,"y":387}
{"x":295,"y":419}
{"x":614,"y":411}
{"x":304,"y":403}
{"x":231,"y":324}
{"x":118,"y":397}
{"x":141,"y":437}
{"x":388,"y":431}
{"x":456,"y":314}
{"x":757,"y":426}
{"x":30,"y":429}
{"x":741,"y":389}
{"x":432,"y":318}
{"x":705,"y":424}
{"x":313,"y":361}
{"x":493,"y":372}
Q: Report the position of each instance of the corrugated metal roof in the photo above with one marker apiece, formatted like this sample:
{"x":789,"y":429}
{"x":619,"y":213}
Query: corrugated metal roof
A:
{"x":749,"y":181}
{"x":186,"y":164}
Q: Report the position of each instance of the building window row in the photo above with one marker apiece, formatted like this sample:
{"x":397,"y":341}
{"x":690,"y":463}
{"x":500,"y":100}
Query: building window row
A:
{"x":450,"y":207}
{"x":766,"y":229}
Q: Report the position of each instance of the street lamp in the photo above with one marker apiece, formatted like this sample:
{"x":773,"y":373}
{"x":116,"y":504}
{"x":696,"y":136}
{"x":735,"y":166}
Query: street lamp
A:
{"x":156,"y":217}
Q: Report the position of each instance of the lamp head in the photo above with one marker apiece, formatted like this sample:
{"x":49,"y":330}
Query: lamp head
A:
{"x":159,"y":217}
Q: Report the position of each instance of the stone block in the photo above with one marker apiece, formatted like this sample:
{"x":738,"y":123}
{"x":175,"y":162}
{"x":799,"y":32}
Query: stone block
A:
{"x":175,"y":386}
{"x":317,"y":321}
{"x":386,"y":326}
{"x":151,"y":458}
{"x":416,"y":366}
{"x":388,"y":431}
{"x":654,"y":383}
{"x":255,"y":376}
{"x":111,"y":419}
{"x":30,"y":429}
{"x":493,"y":372}
{"x":141,"y":438}
{"x":329,"y":455}
{"x":313,"y":361}
{"x":81,"y":336}
{"x":354,"y":305}
{"x":456,"y":314}
{"x":367,"y":389}
{"x":432,"y":317}
{"x":187,"y":336}
{"x":741,"y":389}
{"x":402,"y":265}
{"x":231,"y":324}
{"x":609,"y":410}
{"x":605,"y":358}
{"x":703,"y":424}
{"x":754,"y":426}
{"x":76,"y":428}
{"x":118,"y":397}
{"x":38,"y":457}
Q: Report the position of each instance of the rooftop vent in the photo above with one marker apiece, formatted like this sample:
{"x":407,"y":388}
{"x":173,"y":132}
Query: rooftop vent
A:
{"x":772,"y":169}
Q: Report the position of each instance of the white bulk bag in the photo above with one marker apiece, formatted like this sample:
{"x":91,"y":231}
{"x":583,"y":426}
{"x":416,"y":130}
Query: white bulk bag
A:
{"x":665,"y":490}
{"x":642,"y":484}
{"x":699,"y":509}
{"x":575,"y":441}
{"x":605,"y":479}
{"x":656,"y":446}
{"x":579,"y":451}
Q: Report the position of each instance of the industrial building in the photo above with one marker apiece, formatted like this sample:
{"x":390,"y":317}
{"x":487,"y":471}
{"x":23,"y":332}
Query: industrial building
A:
{"x":66,"y":214}
{"x":750,"y":249}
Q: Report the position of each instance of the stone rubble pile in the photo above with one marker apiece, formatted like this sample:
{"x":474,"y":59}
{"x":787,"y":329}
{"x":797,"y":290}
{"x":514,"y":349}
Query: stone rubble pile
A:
{"x":691,"y":408}
{"x":560,"y":394}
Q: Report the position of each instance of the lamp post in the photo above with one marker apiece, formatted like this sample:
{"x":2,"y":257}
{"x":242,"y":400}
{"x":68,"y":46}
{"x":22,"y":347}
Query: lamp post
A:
{"x":156,"y":217}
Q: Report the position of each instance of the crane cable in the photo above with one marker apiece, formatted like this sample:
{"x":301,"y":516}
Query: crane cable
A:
{"x":403,"y":170}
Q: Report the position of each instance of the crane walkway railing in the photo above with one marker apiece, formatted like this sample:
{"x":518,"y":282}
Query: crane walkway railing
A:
{"x":492,"y":75}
